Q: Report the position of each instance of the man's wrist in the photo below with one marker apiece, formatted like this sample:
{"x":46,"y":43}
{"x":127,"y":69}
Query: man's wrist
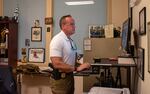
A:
{"x":75,"y":68}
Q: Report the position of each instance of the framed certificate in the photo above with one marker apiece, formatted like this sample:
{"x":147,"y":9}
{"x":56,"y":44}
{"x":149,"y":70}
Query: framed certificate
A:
{"x":36,"y":55}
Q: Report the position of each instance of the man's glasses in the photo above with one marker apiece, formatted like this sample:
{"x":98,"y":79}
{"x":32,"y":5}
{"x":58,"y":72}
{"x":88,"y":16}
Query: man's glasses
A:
{"x":70,"y":24}
{"x":73,"y":45}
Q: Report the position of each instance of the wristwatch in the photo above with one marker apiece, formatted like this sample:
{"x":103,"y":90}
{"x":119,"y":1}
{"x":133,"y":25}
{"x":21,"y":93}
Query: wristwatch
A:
{"x":75,"y":68}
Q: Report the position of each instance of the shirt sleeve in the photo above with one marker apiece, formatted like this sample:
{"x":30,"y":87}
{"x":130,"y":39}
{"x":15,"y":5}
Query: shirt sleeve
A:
{"x":56,"y":46}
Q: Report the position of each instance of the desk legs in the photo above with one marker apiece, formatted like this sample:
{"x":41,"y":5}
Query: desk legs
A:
{"x":118,"y":78}
{"x":129,"y":77}
{"x":19,"y":83}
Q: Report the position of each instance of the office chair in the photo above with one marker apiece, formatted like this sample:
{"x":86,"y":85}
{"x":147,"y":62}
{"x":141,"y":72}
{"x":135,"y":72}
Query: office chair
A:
{"x":7,"y":82}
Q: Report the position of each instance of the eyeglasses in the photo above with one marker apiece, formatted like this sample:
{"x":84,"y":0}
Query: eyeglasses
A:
{"x":73,"y":45}
{"x":70,"y":24}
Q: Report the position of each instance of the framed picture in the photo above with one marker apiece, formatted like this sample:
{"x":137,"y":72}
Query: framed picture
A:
{"x":36,"y":34}
{"x":148,"y":29}
{"x":140,"y":62}
{"x":96,"y":31}
{"x":142,"y":21}
{"x":48,"y":20}
{"x":36,"y":55}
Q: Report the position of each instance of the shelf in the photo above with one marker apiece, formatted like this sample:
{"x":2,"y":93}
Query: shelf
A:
{"x":3,"y":64}
{"x":3,"y":47}
{"x":9,"y":50}
{"x":7,"y":21}
{"x":4,"y":61}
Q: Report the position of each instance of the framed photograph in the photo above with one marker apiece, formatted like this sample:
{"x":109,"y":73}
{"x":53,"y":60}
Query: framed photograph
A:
{"x":148,"y":29}
{"x":140,"y":62}
{"x":48,"y":20}
{"x":36,"y":55}
{"x":96,"y":31}
{"x":36,"y":34}
{"x":142,"y":21}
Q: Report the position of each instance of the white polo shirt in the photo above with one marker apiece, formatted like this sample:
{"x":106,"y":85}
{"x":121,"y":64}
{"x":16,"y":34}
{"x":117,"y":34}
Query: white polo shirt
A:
{"x":61,"y":46}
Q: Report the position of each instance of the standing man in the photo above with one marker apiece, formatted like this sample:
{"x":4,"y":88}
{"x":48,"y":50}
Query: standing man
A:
{"x":63,"y":57}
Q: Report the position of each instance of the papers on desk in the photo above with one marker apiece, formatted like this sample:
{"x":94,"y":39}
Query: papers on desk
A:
{"x":124,"y":60}
{"x":101,"y":64}
{"x":45,"y":69}
{"x":105,"y":62}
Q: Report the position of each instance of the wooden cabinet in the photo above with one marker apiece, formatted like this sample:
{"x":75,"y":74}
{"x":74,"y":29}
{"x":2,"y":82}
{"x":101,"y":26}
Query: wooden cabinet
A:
{"x":8,"y":41}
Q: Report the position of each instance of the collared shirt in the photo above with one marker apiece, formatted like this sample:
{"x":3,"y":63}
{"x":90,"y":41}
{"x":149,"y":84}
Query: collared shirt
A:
{"x":62,"y":46}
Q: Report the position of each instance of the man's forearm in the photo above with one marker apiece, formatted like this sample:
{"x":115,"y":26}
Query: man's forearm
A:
{"x":63,"y":67}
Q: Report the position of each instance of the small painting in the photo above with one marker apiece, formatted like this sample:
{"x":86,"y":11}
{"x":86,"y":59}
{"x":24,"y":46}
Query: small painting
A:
{"x":36,"y":34}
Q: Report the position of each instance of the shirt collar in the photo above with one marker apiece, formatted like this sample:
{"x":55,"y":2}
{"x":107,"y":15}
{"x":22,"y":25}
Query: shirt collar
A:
{"x":64,"y":35}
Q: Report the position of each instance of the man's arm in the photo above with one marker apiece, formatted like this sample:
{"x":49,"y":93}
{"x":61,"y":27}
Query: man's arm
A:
{"x":83,"y":67}
{"x":58,"y":63}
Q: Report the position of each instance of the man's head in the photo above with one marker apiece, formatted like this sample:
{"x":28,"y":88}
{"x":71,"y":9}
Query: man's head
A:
{"x":67,"y":25}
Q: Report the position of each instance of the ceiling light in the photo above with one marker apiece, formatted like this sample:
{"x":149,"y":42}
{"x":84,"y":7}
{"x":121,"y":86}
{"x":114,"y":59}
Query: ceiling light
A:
{"x":79,"y":2}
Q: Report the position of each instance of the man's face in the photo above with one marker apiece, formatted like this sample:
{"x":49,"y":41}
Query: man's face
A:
{"x":69,"y":26}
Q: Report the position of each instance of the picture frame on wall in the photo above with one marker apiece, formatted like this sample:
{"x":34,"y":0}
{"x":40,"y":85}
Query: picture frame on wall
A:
{"x":140,"y":62}
{"x":48,"y":20}
{"x":36,"y":55}
{"x":142,"y":21}
{"x":36,"y":34}
{"x":96,"y":31}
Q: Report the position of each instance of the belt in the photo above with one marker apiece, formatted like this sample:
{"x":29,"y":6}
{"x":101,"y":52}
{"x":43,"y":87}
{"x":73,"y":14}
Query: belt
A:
{"x":60,"y":75}
{"x":64,"y":75}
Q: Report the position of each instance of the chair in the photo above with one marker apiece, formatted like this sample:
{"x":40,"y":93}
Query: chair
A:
{"x":7,"y":82}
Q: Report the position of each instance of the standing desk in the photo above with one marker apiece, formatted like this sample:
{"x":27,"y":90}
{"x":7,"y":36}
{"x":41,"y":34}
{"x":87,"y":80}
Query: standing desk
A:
{"x":115,"y":63}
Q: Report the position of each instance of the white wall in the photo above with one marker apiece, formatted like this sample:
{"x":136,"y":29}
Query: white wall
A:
{"x":143,"y":86}
{"x":29,"y":11}
{"x":117,"y":12}
{"x":84,"y":16}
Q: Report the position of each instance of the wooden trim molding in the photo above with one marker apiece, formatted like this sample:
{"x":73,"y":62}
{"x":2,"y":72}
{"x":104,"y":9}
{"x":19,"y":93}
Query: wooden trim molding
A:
{"x":1,"y":7}
{"x":109,"y":11}
{"x":49,"y":28}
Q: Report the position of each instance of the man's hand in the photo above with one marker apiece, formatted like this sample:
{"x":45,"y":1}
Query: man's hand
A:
{"x":83,"y":66}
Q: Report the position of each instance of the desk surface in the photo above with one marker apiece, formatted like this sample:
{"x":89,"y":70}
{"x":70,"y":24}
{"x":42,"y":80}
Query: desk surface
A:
{"x":114,"y":63}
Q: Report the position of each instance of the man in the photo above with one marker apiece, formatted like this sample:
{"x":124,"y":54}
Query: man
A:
{"x":63,"y":57}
